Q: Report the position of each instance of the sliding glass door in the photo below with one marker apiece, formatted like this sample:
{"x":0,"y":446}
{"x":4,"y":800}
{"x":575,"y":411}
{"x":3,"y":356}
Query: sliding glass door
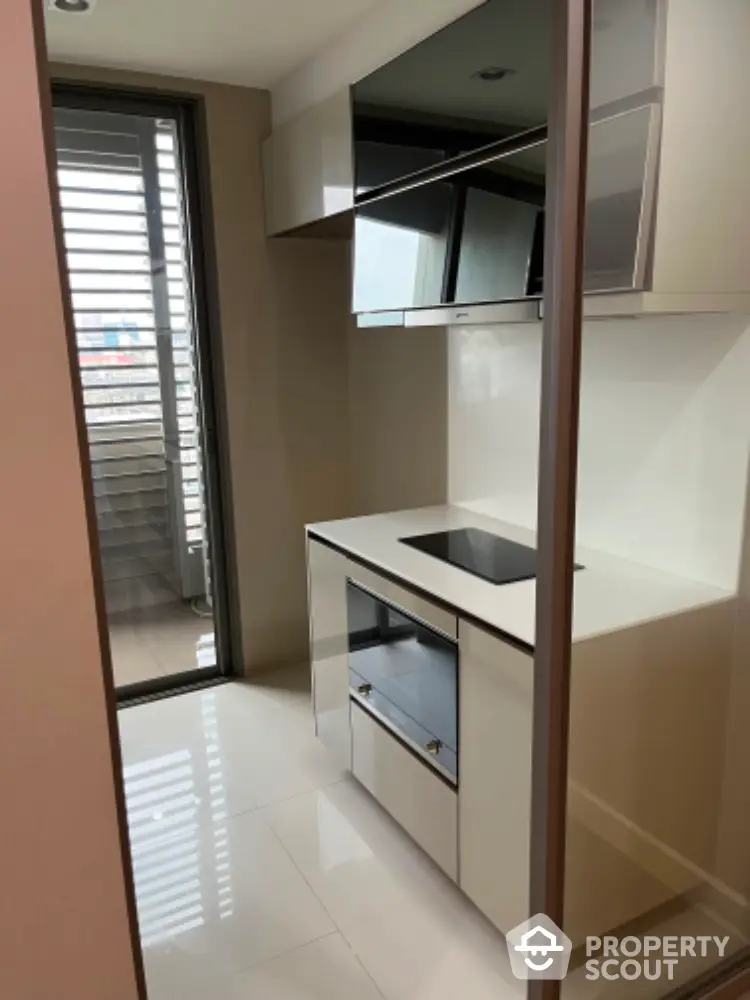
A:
{"x":144,"y":361}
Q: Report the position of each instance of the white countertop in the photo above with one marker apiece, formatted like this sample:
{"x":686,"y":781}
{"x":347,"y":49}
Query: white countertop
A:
{"x":609,"y":594}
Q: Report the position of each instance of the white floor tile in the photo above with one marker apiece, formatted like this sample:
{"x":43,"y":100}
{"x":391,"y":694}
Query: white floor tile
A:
{"x":228,"y":892}
{"x":246,"y":751}
{"x":324,"y":970}
{"x":262,"y":871}
{"x":416,"y":935}
{"x":174,"y":974}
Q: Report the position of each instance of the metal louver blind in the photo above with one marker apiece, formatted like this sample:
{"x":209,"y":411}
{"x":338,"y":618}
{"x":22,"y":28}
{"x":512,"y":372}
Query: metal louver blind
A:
{"x":178,"y":286}
{"x":138,"y":397}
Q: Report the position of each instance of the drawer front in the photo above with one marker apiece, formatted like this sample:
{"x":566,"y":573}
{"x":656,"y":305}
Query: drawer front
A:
{"x":429,"y":613}
{"x":416,"y":798}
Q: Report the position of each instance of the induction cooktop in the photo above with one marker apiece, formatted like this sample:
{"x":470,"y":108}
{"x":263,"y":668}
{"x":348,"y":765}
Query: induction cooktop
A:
{"x":490,"y":557}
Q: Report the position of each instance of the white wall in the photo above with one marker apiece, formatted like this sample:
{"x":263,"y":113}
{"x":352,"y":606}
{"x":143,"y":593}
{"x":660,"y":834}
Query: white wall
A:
{"x":665,"y":433}
{"x":387,"y":31}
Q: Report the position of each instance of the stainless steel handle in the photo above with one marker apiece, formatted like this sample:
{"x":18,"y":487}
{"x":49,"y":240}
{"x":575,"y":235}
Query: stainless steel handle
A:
{"x":364,"y":689}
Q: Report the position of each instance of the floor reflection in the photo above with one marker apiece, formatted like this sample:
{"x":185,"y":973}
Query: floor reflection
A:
{"x":182,"y":866}
{"x":263,"y":872}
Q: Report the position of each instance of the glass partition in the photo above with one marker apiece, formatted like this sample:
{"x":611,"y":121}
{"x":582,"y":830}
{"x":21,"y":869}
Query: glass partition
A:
{"x":657,"y":855}
{"x":658,"y":817}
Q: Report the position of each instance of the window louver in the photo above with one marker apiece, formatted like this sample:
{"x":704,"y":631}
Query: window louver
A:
{"x":131,"y":315}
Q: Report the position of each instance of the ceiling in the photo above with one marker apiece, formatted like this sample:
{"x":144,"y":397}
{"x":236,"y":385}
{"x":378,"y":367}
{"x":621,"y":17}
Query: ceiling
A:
{"x":247,"y":42}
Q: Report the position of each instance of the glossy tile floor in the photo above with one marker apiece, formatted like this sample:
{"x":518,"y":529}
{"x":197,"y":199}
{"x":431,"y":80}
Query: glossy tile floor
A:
{"x":264,"y":873}
{"x":160,"y":641}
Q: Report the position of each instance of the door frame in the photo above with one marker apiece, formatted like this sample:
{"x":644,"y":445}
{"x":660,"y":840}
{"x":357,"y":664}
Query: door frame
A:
{"x":189,"y":112}
{"x":567,"y":158}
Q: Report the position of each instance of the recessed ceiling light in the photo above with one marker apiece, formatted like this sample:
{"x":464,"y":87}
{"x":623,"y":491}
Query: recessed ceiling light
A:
{"x":72,"y":6}
{"x":491,"y":74}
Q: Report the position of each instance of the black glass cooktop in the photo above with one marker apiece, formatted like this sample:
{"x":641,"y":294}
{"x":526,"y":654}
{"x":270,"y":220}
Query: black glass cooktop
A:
{"x":488,"y":556}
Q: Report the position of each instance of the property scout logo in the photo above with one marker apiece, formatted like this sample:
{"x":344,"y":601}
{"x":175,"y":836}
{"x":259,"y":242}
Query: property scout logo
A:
{"x":538,"y":949}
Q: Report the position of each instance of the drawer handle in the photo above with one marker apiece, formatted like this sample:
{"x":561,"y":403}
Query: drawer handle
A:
{"x":434,"y":746}
{"x":365,"y":689}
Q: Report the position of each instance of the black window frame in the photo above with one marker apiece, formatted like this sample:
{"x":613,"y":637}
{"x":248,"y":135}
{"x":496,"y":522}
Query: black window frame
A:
{"x":188,"y":111}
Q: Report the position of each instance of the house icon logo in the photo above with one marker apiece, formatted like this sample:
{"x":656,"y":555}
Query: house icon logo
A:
{"x":538,"y":949}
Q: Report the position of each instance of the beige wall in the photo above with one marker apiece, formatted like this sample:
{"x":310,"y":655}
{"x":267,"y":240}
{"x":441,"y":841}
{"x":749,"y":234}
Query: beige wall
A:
{"x":398,"y":387}
{"x":63,"y":912}
{"x":297,"y":437}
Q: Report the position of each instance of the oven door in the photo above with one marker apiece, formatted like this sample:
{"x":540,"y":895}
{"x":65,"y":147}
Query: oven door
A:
{"x":405,"y":675}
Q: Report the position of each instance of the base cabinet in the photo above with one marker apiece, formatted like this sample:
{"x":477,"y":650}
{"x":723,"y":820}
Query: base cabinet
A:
{"x":644,"y":701}
{"x":496,"y":703}
{"x":418,"y":799}
{"x":327,"y":571}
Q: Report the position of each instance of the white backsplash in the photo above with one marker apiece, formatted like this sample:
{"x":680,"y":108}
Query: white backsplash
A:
{"x":664,"y":441}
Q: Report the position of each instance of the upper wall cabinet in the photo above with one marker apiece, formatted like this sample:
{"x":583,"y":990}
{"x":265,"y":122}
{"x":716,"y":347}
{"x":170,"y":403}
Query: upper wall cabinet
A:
{"x":477,"y":235}
{"x":703,"y":195}
{"x":483,"y":78}
{"x":668,"y":206}
{"x":449,"y":176}
{"x":487,"y":77}
{"x":451,"y":160}
{"x":697,"y":256}
{"x":307,"y":166}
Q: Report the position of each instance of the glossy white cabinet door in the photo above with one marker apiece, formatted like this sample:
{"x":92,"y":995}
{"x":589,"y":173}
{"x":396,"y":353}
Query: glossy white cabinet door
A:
{"x":326,"y":572}
{"x":308,"y":171}
{"x":415,"y":796}
{"x":496,"y":700}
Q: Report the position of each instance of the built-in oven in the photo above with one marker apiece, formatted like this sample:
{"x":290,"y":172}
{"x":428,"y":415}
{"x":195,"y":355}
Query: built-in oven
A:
{"x":404,"y":674}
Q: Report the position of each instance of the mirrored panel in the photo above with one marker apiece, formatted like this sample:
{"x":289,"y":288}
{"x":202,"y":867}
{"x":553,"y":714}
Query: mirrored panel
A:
{"x":401,"y":249}
{"x":486,"y":77}
{"x":478,"y":235}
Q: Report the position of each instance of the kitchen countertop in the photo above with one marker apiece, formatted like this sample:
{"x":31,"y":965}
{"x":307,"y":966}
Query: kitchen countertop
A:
{"x":609,"y":594}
